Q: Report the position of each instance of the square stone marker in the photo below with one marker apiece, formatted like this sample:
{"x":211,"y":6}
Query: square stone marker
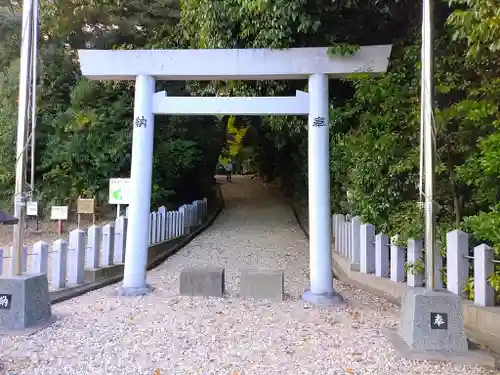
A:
{"x":25,"y":305}
{"x":205,"y":281}
{"x":432,"y":329}
{"x":262,"y":283}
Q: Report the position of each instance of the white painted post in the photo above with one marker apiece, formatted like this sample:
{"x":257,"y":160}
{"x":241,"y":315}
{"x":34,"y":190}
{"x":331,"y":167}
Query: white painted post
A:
{"x":185,"y":213}
{"x":484,"y":295}
{"x":192,"y":215}
{"x":108,"y":245}
{"x":1,"y":262}
{"x":126,"y":211}
{"x":414,"y":252}
{"x":136,"y":255}
{"x":397,"y":263}
{"x":120,"y":240}
{"x":345,"y":237}
{"x":319,"y":187}
{"x":76,"y":256}
{"x":334,"y":232}
{"x":457,"y":265}
{"x":153,"y":228}
{"x":169,"y":225}
{"x":355,"y":243}
{"x":159,"y":223}
{"x":59,"y":261}
{"x":41,"y":252}
{"x":348,"y":238}
{"x":382,"y":255}
{"x":93,"y":246}
{"x":163,"y":230}
{"x":340,"y":229}
{"x":181,"y":223}
{"x":367,"y":256}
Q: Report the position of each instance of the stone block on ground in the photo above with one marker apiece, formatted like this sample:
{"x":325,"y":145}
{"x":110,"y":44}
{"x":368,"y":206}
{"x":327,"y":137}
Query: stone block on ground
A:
{"x":262,"y":283}
{"x":25,"y":305}
{"x":432,"y":328}
{"x":205,"y":281}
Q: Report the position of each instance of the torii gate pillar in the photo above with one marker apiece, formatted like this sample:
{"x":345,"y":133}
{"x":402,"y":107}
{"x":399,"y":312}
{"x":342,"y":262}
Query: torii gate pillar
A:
{"x":321,"y":292}
{"x":136,"y":254}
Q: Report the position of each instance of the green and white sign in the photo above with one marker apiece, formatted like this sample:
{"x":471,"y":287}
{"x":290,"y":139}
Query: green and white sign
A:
{"x":119,"y":191}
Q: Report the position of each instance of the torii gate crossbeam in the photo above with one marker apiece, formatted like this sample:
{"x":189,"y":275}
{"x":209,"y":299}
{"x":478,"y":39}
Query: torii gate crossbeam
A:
{"x":313,"y":64}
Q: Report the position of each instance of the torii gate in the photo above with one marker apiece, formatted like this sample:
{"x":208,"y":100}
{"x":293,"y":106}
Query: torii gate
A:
{"x":146,"y":66}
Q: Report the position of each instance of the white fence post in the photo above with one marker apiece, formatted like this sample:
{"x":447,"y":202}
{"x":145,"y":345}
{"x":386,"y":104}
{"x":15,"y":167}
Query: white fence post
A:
{"x":484,"y":295}
{"x":340,"y":232}
{"x":108,"y":245}
{"x":355,"y":243}
{"x":59,"y":261}
{"x":347,"y":228}
{"x":93,"y":246}
{"x":159,"y":220}
{"x":185,"y":213}
{"x":367,"y":256}
{"x":397,"y":263}
{"x":414,"y":251}
{"x":382,"y":255}
{"x":152,"y":228}
{"x":457,"y":265}
{"x":163,"y":228}
{"x":41,"y":251}
{"x":120,"y":240}
{"x":169,"y":224}
{"x":76,"y":256}
{"x":334,"y":231}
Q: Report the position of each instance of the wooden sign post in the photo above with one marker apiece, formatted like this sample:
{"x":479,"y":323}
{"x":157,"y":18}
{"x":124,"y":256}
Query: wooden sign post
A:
{"x":86,"y":206}
{"x":59,"y":213}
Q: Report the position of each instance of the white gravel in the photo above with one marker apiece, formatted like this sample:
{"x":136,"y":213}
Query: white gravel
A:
{"x":101,"y":334}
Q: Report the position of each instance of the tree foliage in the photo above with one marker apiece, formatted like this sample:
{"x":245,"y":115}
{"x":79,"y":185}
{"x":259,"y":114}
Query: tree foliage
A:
{"x":84,"y":128}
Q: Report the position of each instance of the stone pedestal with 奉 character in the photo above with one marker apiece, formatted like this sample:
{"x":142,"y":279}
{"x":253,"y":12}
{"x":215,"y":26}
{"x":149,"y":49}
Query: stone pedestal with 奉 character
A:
{"x":432,"y":328}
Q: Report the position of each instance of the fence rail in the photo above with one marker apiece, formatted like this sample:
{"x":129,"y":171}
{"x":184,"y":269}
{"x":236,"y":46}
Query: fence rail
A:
{"x":375,"y":253}
{"x":65,"y":262}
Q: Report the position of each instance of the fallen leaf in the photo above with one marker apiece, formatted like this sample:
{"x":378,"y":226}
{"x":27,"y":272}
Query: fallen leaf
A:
{"x":349,"y":370}
{"x":157,"y":371}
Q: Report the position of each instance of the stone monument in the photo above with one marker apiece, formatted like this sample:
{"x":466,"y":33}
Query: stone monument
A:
{"x":25,"y":305}
{"x":432,"y":328}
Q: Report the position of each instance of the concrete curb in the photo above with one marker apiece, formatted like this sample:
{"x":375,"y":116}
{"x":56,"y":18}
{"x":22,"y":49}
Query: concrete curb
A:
{"x":171,"y":247}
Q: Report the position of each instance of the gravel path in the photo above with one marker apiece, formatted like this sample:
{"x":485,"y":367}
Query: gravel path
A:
{"x":100,"y":334}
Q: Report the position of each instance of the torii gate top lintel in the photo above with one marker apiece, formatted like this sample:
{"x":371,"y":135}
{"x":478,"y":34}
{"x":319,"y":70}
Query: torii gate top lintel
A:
{"x":234,"y":64}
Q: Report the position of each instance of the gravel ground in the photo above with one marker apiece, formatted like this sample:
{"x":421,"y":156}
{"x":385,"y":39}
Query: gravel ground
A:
{"x":100,"y":334}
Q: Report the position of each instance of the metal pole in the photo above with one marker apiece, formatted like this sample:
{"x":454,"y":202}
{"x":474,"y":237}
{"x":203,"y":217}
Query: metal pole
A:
{"x":422,"y":119}
{"x":34,"y":57}
{"x":22,"y":125}
{"x":429,"y":150}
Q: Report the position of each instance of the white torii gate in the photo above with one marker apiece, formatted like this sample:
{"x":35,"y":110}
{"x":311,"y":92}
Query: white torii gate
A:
{"x":146,"y":66}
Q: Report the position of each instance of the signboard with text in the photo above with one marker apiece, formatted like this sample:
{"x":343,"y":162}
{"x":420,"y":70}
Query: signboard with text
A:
{"x":86,"y":206}
{"x":119,"y":191}
{"x":59,"y":213}
{"x":32,"y":208}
